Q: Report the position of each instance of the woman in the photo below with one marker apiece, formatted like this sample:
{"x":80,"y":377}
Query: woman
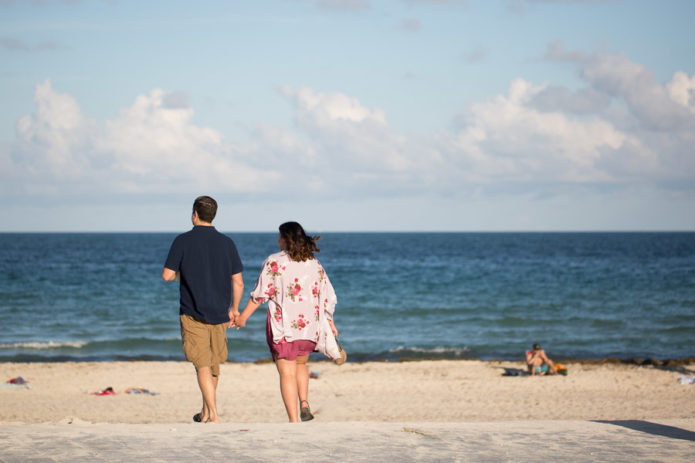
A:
{"x":297,"y":289}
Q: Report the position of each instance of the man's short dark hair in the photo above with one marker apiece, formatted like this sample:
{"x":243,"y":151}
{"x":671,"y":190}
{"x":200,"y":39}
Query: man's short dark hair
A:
{"x":206,"y":207}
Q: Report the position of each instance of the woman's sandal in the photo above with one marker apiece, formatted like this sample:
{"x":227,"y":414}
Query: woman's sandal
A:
{"x":305,"y":412}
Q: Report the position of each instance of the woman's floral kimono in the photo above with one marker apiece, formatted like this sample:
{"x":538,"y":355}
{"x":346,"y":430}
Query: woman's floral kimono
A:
{"x":296,"y":293}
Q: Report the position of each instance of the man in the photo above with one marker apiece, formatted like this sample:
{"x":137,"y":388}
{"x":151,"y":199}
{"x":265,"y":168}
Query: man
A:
{"x":538,"y":362}
{"x":204,"y":260}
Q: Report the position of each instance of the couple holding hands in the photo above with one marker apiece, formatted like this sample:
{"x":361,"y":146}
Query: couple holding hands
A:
{"x":300,"y":298}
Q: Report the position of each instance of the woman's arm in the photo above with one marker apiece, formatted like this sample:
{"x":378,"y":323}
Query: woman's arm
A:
{"x":250,"y":308}
{"x":333,"y":328}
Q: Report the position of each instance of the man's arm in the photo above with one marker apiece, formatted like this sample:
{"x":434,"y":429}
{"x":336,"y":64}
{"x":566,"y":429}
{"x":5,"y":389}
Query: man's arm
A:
{"x":168,"y":274}
{"x":237,"y":291}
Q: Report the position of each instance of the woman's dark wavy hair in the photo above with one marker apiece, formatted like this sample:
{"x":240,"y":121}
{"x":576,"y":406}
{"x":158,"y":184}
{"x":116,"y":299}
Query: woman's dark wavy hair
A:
{"x":300,"y":246}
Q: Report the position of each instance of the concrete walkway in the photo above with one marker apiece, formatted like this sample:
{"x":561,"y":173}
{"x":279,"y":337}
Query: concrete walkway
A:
{"x":514,"y":441}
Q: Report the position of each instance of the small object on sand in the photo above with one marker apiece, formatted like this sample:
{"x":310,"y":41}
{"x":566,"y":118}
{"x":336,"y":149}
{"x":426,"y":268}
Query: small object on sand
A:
{"x":19,"y":381}
{"x":197,"y":418}
{"x":686,"y":379}
{"x":514,"y":372}
{"x":108,"y":391}
{"x":314,"y":374}
{"x":140,"y":390}
{"x":15,"y":383}
{"x":560,"y":369}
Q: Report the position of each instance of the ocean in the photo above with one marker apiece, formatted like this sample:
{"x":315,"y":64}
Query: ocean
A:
{"x":100,"y":297}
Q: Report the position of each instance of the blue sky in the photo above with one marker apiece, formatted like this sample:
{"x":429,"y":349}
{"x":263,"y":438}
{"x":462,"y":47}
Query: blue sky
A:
{"x":348,"y":115}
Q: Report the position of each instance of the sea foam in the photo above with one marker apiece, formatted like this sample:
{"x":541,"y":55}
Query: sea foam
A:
{"x":44,"y":345}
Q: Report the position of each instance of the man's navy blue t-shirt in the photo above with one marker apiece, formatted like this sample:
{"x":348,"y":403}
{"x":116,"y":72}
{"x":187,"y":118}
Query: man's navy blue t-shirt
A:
{"x":205,"y":259}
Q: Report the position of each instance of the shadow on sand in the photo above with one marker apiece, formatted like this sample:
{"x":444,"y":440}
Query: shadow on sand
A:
{"x":653,"y":428}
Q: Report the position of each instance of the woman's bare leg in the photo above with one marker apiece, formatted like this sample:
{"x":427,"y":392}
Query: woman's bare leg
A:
{"x":288,"y":386}
{"x":303,"y":378}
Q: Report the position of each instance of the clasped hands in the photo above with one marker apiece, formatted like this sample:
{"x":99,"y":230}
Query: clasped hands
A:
{"x":236,"y":320}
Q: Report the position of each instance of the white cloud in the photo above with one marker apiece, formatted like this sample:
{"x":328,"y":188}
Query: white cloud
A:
{"x":326,"y":109}
{"x":148,"y":148}
{"x":584,"y":101}
{"x":506,"y":139}
{"x":631,"y":83}
{"x":56,"y":136}
{"x":681,"y":89}
{"x":623,"y":129}
{"x":658,"y":116}
{"x":349,"y":134}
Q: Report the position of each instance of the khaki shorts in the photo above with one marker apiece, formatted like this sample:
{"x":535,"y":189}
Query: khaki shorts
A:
{"x":204,"y":345}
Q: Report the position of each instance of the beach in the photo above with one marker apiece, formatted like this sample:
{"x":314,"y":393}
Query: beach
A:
{"x":462,"y":410}
{"x":423,"y":391}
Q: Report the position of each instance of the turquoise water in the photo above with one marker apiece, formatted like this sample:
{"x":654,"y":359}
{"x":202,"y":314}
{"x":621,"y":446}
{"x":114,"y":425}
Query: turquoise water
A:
{"x":449,"y":295}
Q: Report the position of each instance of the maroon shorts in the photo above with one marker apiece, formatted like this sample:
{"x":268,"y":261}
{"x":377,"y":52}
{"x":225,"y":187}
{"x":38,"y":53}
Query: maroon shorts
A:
{"x":284,"y":349}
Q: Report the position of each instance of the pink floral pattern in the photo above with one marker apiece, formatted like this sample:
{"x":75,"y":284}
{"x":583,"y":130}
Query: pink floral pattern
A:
{"x":273,"y":269}
{"x":300,"y":323}
{"x":278,"y":314}
{"x":296,"y":293}
{"x":294,"y":289}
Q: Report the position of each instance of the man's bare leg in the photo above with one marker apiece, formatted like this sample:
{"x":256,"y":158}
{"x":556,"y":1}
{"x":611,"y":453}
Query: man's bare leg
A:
{"x":205,"y":411}
{"x":208,"y":387}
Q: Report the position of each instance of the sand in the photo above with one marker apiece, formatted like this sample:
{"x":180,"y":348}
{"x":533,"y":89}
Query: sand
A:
{"x":499,"y":441}
{"x":406,"y":411}
{"x":436,"y":391}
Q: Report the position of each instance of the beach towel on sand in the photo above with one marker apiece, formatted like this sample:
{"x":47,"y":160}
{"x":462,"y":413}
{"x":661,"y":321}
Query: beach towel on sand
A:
{"x":140,"y":390}
{"x":15,"y":383}
{"x":108,"y":391}
{"x":514,"y":372}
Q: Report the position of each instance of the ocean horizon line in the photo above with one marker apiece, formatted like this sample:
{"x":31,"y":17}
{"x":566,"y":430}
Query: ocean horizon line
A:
{"x":365,"y":232}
